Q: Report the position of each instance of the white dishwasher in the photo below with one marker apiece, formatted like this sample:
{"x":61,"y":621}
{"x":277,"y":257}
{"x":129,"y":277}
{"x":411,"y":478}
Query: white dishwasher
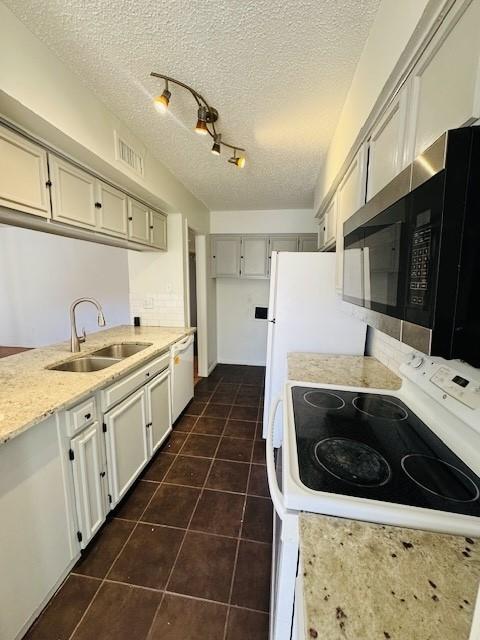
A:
{"x":181,"y":366}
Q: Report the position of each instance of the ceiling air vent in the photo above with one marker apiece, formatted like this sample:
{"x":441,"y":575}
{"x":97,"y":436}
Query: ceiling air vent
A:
{"x":127,"y":154}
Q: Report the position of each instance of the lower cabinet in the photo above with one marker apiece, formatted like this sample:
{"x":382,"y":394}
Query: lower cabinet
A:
{"x":88,"y":467}
{"x":159,"y":410}
{"x":126,"y":442}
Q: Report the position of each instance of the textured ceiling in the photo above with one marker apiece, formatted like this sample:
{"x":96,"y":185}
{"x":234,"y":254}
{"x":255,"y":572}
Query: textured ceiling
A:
{"x":278,"y":72}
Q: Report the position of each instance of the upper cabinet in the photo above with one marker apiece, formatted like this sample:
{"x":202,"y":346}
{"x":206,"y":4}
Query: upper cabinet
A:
{"x":112,"y":206}
{"x":23,"y":175}
{"x":158,"y":229}
{"x":446,"y":81}
{"x":350,"y":197}
{"x":387,"y":146}
{"x":226,"y":256}
{"x":73,"y":194}
{"x":308,"y":243}
{"x":254,"y":256}
{"x":330,"y":223}
{"x":139,"y":221}
{"x":283,"y":243}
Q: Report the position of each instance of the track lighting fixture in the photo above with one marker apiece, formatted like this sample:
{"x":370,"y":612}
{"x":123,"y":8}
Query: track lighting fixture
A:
{"x":201,"y":127}
{"x":238,"y":161}
{"x":207,"y":116}
{"x":216,"y":144}
{"x":162,"y":102}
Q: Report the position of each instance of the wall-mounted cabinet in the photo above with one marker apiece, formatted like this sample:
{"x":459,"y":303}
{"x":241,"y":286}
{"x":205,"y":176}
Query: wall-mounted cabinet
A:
{"x":249,"y":256}
{"x":75,"y":202}
{"x":321,"y":234}
{"x":23,"y":175}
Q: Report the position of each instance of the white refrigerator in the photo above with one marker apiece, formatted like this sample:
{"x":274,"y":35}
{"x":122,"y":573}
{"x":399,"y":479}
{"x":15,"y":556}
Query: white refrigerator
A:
{"x":304,"y":314}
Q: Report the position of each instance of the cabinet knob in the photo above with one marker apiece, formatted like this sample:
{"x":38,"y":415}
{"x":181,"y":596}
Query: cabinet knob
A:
{"x":130,"y":217}
{"x":102,"y":474}
{"x":48,"y":183}
{"x":147,"y":374}
{"x":98,"y":205}
{"x":151,"y":226}
{"x":88,"y":416}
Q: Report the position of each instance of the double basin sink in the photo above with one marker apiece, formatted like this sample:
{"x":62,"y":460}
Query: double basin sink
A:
{"x":102,"y":358}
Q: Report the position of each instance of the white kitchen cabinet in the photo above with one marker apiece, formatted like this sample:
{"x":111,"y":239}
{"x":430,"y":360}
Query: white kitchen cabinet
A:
{"x":126,"y":443}
{"x":321,"y":234}
{"x":159,"y":413}
{"x":446,"y":80}
{"x":112,"y":206}
{"x":350,"y":197}
{"x":88,"y":481}
{"x":139,"y":222}
{"x":226,"y":252}
{"x":387,"y":146}
{"x":283,"y":243}
{"x":73,"y":194}
{"x":330,"y":222}
{"x":23,"y":175}
{"x":37,"y":539}
{"x":254,"y":257}
{"x":158,"y":230}
{"x":308,"y":242}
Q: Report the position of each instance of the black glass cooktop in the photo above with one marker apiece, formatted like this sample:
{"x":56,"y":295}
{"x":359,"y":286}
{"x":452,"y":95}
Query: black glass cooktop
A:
{"x":372,"y":446}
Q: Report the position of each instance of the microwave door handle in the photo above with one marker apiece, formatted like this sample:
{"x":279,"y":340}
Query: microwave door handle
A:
{"x":275,"y":493}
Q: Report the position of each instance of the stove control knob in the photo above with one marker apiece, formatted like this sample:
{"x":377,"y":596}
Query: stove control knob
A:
{"x":416,"y":361}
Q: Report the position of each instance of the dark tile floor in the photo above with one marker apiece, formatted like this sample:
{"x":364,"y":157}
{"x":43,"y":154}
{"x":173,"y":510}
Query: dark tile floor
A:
{"x":186,"y":555}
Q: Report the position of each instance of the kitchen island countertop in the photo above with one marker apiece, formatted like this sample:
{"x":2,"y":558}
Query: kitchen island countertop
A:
{"x":30,"y":392}
{"x":364,"y":581}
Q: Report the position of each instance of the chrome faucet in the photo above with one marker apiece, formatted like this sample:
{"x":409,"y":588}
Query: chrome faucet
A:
{"x":75,"y":340}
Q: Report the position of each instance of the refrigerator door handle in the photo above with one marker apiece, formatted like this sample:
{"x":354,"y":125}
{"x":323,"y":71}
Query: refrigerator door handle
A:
{"x":275,"y":493}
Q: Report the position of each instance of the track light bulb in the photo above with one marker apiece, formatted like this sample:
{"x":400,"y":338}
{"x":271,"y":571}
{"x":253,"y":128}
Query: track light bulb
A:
{"x":201,"y":127}
{"x":237,"y":161}
{"x":161,"y":102}
{"x":216,"y":144}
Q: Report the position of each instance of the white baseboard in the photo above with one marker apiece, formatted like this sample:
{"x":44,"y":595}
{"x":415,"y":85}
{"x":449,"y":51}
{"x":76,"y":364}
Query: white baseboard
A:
{"x":212,"y":367}
{"x":244,"y":362}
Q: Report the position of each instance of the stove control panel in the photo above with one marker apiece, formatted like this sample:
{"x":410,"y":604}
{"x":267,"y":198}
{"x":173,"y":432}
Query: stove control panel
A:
{"x":457,"y":386}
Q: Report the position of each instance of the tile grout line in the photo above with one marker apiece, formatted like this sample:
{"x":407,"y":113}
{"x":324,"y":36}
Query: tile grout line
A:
{"x":169,"y":577}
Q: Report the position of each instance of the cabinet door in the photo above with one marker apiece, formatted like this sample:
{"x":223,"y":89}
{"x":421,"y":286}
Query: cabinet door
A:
{"x":350,"y":197}
{"x":283,"y":243}
{"x":73,"y":194}
{"x":127,"y":446}
{"x":159,"y":413}
{"x":331,"y":222}
{"x":387,"y":144}
{"x":23,"y":175}
{"x":446,"y":79}
{"x":158,"y":230}
{"x":113,"y":210}
{"x":88,"y":474}
{"x":321,"y":234}
{"x":307,"y":243}
{"x":254,"y":257}
{"x":139,"y":222}
{"x":226,"y":257}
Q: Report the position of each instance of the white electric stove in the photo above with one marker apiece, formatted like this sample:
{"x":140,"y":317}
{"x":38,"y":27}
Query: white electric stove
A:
{"x":407,"y":458}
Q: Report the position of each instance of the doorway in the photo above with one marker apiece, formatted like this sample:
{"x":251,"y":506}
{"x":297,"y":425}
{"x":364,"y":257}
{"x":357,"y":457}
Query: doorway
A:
{"x":192,"y":279}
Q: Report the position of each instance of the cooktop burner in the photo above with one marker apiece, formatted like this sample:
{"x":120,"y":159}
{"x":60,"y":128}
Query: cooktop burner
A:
{"x":323,"y":400}
{"x":372,"y":446}
{"x":379,"y":407}
{"x":352,"y":462}
{"x":440,"y":478}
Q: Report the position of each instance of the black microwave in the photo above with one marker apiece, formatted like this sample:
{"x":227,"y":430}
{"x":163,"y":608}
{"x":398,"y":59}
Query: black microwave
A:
{"x":413,"y":252}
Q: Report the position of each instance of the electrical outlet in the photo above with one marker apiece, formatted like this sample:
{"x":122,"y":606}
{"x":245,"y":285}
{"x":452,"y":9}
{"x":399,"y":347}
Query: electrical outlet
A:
{"x":148,"y":303}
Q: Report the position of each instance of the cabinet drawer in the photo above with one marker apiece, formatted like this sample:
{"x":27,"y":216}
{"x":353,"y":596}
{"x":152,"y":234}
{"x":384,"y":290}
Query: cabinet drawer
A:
{"x":130,"y":383}
{"x":81,"y":416}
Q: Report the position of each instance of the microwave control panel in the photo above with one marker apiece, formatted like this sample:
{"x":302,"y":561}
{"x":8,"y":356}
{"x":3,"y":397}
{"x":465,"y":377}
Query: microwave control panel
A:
{"x":419,"y":263}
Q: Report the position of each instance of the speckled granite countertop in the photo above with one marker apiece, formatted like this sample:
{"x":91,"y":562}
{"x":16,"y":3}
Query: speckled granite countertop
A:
{"x":354,"y":371}
{"x":371,"y":582}
{"x":29,"y":392}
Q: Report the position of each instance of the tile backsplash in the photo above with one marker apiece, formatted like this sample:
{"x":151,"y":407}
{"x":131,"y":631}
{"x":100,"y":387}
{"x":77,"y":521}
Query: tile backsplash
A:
{"x":389,"y":351}
{"x":158,"y":309}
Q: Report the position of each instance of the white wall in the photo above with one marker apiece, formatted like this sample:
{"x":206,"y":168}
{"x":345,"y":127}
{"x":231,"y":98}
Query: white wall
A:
{"x":41,"y":275}
{"x":157,"y":283}
{"x":241,"y":339}
{"x":392,"y":28}
{"x":41,"y":93}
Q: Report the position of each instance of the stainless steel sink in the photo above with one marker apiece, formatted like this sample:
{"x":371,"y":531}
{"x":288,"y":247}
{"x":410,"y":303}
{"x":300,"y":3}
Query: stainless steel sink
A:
{"x":121,"y":350}
{"x":85,"y":364}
